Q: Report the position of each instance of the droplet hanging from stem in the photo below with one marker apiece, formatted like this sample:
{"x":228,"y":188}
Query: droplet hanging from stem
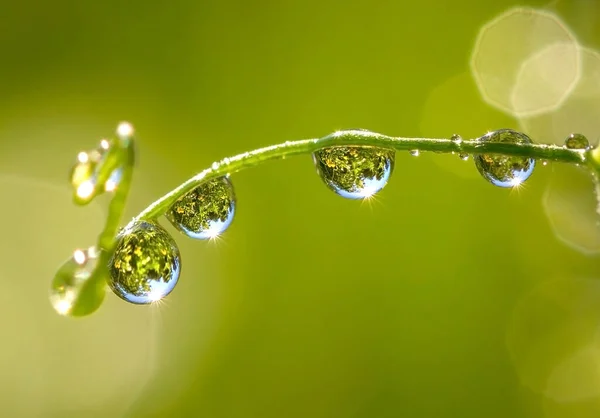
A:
{"x":145,"y":265}
{"x":354,"y":172}
{"x":205,"y":212}
{"x":505,"y":170}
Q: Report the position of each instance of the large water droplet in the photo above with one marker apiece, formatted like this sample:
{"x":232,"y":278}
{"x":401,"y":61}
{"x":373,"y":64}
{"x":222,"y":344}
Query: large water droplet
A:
{"x":504,"y":170}
{"x":354,"y":172}
{"x":146,"y":263}
{"x":577,"y":141}
{"x":414,"y":152}
{"x":67,"y":294}
{"x":206,"y":211}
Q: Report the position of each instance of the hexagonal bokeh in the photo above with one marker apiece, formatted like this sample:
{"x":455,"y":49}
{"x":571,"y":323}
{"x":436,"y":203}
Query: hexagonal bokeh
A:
{"x":553,"y":340}
{"x":579,"y":113}
{"x":525,"y":62}
{"x":570,"y":205}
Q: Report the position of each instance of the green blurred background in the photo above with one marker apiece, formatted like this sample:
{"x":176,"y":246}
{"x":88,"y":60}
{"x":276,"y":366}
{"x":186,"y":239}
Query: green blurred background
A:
{"x":442,"y":297}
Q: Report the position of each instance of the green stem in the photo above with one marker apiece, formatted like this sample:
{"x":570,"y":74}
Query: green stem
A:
{"x":92,"y":291}
{"x":116,"y":207}
{"x":363,"y":138}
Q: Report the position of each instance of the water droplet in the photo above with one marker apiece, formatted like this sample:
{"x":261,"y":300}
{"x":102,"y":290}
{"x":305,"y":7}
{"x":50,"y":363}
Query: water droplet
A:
{"x":125,"y":131}
{"x":456,"y":138}
{"x":215,"y":166}
{"x":206,"y":211}
{"x":544,"y":163}
{"x":577,"y":141}
{"x":414,"y":152}
{"x":67,"y":295}
{"x":146,"y":263}
{"x":463,"y":156}
{"x":504,"y":170}
{"x":84,"y":174}
{"x":354,"y":172}
{"x":113,"y":181}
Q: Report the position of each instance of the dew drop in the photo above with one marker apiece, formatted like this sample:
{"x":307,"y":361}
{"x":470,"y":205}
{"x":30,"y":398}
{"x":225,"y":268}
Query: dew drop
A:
{"x":354,"y":172}
{"x":577,"y":141}
{"x":67,"y":295}
{"x":84,"y":174}
{"x":205,"y":212}
{"x":503,"y":170}
{"x":414,"y":152}
{"x":146,"y":263}
{"x":113,"y":181}
{"x":456,"y":138}
{"x":463,"y":156}
{"x":125,"y":131}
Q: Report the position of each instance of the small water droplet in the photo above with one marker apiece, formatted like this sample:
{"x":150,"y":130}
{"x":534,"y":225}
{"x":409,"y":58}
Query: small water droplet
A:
{"x":504,"y":170}
{"x":113,"y":181}
{"x":83,"y":157}
{"x":463,"y":156}
{"x":125,"y":131}
{"x":577,"y":141}
{"x":414,"y":152}
{"x":205,"y":212}
{"x":84,"y":174}
{"x":544,"y":163}
{"x":69,"y":281}
{"x":456,"y":138}
{"x":215,"y":166}
{"x":146,"y":263}
{"x":354,"y":172}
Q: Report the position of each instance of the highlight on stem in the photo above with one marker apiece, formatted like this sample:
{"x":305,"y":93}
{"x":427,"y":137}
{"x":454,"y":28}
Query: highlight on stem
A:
{"x":141,"y":263}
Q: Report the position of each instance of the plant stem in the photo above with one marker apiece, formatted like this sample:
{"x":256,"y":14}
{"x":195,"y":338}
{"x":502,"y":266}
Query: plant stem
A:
{"x":92,"y":291}
{"x":106,"y":239}
{"x":363,"y":138}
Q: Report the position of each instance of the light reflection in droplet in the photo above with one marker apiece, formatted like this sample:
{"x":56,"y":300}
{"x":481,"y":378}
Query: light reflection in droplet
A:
{"x":79,"y":256}
{"x":125,"y":130}
{"x":85,"y":189}
{"x":113,"y":181}
{"x":83,"y":157}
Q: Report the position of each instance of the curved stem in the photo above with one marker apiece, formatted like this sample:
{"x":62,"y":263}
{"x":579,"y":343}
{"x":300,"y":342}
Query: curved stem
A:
{"x":92,"y":291}
{"x":106,"y":239}
{"x":362,"y":138}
